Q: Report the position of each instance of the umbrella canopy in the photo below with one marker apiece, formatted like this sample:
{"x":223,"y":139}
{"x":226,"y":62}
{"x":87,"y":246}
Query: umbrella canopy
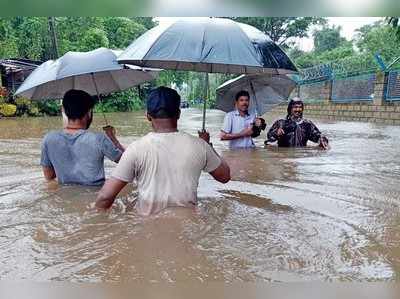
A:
{"x":265,"y":91}
{"x":96,"y":72}
{"x":211,"y":45}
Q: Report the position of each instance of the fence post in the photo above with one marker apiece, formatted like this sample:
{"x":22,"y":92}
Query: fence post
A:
{"x":380,"y":88}
{"x":327,"y":91}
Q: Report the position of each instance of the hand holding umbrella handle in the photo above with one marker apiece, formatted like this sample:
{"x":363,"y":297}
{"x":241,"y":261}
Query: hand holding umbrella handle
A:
{"x":110,"y":132}
{"x":203,"y":134}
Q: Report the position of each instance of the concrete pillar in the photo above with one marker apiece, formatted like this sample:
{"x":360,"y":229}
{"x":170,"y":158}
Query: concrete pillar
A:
{"x":326,"y":92}
{"x":380,"y":88}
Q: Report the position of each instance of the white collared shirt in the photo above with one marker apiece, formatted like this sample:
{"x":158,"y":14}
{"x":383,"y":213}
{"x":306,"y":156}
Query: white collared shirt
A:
{"x":235,"y":123}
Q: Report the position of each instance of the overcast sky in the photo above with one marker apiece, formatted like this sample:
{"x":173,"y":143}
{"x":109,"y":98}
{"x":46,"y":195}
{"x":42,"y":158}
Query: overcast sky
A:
{"x":348,"y":24}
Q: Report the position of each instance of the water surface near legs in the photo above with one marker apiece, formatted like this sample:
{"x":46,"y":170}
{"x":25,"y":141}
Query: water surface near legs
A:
{"x":287,"y":215}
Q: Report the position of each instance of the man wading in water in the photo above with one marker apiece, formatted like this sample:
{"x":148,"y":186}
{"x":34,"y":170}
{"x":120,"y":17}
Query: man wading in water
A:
{"x":76,"y":155}
{"x":240,"y":125}
{"x":295,"y":131}
{"x":165,"y":163}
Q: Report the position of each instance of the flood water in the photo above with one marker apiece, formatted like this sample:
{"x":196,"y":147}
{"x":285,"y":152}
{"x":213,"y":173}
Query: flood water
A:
{"x":287,"y":214}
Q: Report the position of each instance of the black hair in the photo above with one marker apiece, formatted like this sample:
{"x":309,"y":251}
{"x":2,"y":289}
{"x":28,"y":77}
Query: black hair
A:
{"x":291,"y":104}
{"x":162,"y":113}
{"x":77,"y":103}
{"x":242,"y":93}
{"x":163,"y":102}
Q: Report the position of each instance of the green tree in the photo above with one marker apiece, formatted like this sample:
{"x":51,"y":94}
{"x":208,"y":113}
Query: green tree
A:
{"x":32,"y":38}
{"x":395,"y":23}
{"x":169,"y":77}
{"x":282,"y":29}
{"x":147,"y":22}
{"x":327,"y":38}
{"x":94,"y":38}
{"x":72,"y":31}
{"x":8,"y":42}
{"x":379,"y":39}
{"x":122,"y":31}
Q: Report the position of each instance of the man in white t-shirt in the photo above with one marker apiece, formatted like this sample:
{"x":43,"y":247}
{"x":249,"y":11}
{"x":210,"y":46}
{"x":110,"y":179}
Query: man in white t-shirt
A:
{"x":165,"y":163}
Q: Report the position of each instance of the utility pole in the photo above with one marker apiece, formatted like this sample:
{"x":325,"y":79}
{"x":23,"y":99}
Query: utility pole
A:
{"x":53,"y":35}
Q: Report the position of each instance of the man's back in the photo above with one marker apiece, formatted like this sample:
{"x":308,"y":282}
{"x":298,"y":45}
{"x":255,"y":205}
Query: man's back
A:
{"x":78,"y":158}
{"x":167,"y":167}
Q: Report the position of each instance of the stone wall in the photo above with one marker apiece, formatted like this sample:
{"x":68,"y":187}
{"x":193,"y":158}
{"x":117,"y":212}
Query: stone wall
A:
{"x":387,"y":114}
{"x":357,"y":98}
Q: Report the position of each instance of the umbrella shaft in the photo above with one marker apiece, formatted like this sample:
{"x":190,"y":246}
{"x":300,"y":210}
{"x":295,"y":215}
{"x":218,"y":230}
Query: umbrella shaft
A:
{"x":100,"y":100}
{"x":205,"y":104}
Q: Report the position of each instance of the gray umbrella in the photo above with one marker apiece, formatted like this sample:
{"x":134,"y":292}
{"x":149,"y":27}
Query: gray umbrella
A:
{"x":266,"y":91}
{"x":96,"y":72}
{"x":211,"y":45}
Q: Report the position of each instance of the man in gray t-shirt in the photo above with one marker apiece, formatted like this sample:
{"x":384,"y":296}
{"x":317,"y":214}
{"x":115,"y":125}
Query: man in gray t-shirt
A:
{"x":76,"y":155}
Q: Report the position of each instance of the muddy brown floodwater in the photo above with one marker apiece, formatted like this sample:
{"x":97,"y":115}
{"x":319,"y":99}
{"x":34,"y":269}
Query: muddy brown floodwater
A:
{"x":287,"y":215}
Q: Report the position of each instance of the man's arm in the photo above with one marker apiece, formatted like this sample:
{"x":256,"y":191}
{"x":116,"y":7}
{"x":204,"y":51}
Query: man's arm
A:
{"x":110,"y":132}
{"x":317,"y":137}
{"x":275,"y":132}
{"x":49,"y":173}
{"x":226,"y":131}
{"x":108,"y":193}
{"x":222,"y":173}
{"x":231,"y":136}
{"x":47,"y":167}
{"x":111,"y":147}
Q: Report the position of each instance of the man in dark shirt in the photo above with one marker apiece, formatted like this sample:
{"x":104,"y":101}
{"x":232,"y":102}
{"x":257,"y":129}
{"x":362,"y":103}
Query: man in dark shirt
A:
{"x":294,"y":130}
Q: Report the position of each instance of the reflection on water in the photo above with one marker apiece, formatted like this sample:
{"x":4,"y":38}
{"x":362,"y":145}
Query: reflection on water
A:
{"x":287,"y":215}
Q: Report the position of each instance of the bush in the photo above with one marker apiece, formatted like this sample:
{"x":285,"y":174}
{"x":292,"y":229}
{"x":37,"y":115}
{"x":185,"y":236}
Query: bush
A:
{"x":27,"y":107}
{"x":50,"y":107}
{"x":8,"y":109}
{"x":123,"y":101}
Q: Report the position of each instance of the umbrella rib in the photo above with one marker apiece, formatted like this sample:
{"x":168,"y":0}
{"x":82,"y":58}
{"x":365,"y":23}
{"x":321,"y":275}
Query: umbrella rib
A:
{"x":144,"y":56}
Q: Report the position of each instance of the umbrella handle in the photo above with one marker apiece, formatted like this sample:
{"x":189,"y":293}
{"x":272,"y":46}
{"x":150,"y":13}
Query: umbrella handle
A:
{"x":99,"y":98}
{"x":255,"y":97}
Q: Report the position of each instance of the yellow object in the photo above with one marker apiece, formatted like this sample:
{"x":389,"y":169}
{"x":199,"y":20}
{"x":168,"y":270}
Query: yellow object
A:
{"x":22,"y":102}
{"x":8,"y":109}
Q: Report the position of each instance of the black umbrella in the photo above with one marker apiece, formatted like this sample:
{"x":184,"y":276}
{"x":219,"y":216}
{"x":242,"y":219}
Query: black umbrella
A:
{"x":210,"y":45}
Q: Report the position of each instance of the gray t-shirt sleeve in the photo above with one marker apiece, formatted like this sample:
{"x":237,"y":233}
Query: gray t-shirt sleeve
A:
{"x":44,"y":157}
{"x":109,"y":149}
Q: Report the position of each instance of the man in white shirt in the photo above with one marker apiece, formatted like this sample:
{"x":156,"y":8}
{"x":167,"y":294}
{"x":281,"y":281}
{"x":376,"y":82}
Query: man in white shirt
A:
{"x":165,"y":163}
{"x":238,"y":124}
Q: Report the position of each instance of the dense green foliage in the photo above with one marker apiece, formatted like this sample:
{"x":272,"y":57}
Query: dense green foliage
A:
{"x":357,"y":54}
{"x":282,"y":29}
{"x":30,"y":37}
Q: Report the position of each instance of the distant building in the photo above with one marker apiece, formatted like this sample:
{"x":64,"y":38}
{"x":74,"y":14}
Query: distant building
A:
{"x":14,"y":71}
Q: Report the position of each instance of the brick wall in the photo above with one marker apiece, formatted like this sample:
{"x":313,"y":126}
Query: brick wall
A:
{"x":387,"y":114}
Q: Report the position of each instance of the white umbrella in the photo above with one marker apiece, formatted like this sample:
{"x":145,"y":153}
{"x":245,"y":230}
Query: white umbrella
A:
{"x":265,"y":91}
{"x":96,"y":72}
